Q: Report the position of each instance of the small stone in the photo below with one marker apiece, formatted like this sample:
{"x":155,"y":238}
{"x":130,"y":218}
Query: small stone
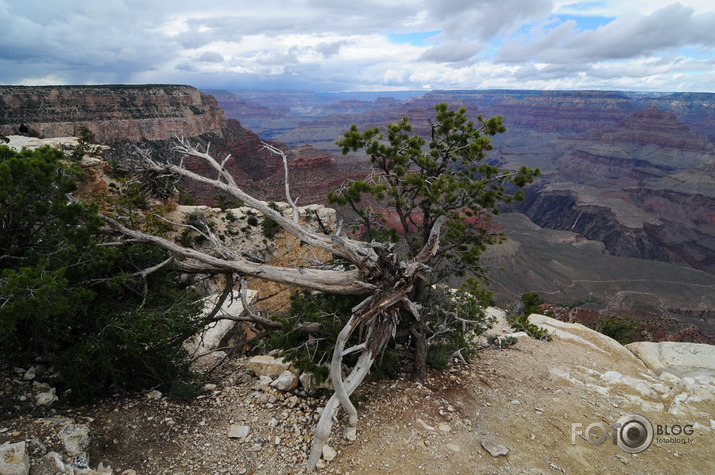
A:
{"x":29,"y":374}
{"x":494,"y":449}
{"x":46,"y":398}
{"x":209,"y":387}
{"x":287,"y":381}
{"x":350,"y":433}
{"x":424,"y":424}
{"x":515,"y":402}
{"x":329,"y":453}
{"x":273,"y":423}
{"x":50,"y":463}
{"x":277,"y":441}
{"x":307,"y":380}
{"x":444,"y":427}
{"x":622,"y":459}
{"x":129,"y":472}
{"x":255,"y":448}
{"x":321,"y":464}
{"x":265,"y":380}
{"x":453,"y":447}
{"x":154,"y":394}
{"x":238,"y":431}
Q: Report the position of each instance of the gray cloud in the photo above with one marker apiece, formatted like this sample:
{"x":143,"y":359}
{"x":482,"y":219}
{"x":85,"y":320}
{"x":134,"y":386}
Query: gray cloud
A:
{"x":211,"y":57}
{"x":484,"y":19}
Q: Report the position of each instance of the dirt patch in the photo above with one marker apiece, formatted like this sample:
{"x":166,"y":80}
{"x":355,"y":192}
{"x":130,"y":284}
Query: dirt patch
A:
{"x":524,"y":398}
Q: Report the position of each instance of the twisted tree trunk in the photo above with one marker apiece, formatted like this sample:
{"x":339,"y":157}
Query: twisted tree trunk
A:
{"x":377,"y":270}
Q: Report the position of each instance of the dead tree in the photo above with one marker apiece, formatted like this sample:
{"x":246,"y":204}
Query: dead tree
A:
{"x":375,"y":270}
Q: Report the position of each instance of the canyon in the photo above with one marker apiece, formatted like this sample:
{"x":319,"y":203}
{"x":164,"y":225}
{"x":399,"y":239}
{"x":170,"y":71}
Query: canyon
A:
{"x":632,"y":173}
{"x":629,"y":176}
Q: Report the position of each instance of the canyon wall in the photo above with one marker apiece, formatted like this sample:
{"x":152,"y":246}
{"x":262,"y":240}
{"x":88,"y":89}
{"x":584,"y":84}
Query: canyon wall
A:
{"x":115,"y":113}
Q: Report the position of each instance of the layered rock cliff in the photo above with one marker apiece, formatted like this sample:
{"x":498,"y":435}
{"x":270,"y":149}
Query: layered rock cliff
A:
{"x":115,"y":113}
{"x":641,"y":187}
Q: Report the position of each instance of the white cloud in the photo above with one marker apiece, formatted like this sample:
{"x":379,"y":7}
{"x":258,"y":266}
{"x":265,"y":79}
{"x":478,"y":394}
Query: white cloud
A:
{"x":341,"y":45}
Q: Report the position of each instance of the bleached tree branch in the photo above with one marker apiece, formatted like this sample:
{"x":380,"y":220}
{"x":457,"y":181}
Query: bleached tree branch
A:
{"x":286,"y":180}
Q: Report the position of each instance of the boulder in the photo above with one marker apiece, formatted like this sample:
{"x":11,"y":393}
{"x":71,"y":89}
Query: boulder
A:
{"x":577,"y":333}
{"x":679,"y":359}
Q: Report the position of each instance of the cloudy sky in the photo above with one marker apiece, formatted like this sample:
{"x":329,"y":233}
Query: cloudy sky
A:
{"x":366,"y":45}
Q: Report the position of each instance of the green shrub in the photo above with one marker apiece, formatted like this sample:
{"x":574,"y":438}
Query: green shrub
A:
{"x":64,"y":294}
{"x":225,"y":202}
{"x":86,"y":144}
{"x":529,"y":304}
{"x":157,"y":186}
{"x":502,"y":341}
{"x":270,"y":227}
{"x":621,"y":329}
{"x":325,"y":315}
{"x":520,"y":322}
{"x":186,"y":198}
{"x":439,"y":355}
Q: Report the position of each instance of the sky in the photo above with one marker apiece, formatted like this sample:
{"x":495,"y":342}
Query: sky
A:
{"x":367,"y":45}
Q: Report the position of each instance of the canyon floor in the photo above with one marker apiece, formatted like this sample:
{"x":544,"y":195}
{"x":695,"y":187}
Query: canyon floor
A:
{"x":523,"y":398}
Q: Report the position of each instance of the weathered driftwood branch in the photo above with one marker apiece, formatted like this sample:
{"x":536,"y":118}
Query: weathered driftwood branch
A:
{"x":335,"y":281}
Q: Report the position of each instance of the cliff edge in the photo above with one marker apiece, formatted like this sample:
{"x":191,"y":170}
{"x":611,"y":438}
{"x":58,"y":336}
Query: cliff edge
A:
{"x":114,"y":113}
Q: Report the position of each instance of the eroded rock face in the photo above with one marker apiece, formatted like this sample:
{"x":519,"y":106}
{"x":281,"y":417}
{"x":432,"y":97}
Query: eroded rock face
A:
{"x":112,"y":113}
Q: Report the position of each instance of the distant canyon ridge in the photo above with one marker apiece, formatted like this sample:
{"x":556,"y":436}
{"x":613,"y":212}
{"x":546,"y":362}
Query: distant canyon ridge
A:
{"x":629,"y":177}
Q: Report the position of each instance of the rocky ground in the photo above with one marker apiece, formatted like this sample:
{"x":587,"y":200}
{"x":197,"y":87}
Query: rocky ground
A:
{"x":510,"y":411}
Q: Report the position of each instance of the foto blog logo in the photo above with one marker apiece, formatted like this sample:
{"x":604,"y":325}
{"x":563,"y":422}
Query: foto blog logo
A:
{"x":632,"y":433}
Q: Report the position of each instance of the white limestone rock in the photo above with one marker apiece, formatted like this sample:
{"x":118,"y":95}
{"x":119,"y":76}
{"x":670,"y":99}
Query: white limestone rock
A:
{"x":266,"y":365}
{"x":577,"y":333}
{"x":50,"y":464}
{"x":14,"y":459}
{"x":678,"y":359}
{"x":46,"y":398}
{"x":75,"y":438}
{"x":286,"y":381}
{"x":211,"y":336}
{"x":237,"y":431}
{"x":329,"y":453}
{"x":350,"y":433}
{"x":495,"y":449}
